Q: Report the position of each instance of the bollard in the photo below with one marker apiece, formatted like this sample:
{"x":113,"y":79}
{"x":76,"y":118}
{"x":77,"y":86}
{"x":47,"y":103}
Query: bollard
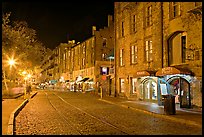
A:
{"x":101,"y":92}
{"x":25,"y":93}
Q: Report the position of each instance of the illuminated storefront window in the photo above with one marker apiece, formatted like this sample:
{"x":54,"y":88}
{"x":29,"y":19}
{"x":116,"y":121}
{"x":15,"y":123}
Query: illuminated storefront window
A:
{"x":122,"y":85}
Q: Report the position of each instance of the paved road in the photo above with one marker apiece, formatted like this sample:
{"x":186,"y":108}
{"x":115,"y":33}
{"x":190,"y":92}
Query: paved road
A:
{"x":69,"y":113}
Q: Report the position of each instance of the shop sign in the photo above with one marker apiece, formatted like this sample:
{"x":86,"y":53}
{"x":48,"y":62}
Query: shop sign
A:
{"x":171,"y":71}
{"x":142,"y":73}
{"x":103,"y":77}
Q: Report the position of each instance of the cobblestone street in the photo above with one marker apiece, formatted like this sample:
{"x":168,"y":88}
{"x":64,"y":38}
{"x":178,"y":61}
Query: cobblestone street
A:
{"x":69,"y":113}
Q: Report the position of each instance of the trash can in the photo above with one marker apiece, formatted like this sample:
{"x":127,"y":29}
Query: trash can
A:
{"x":169,"y":104}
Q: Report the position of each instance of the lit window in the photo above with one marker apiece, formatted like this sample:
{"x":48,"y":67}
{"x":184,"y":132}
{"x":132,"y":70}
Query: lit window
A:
{"x":121,"y":57}
{"x":149,"y":16}
{"x":133,"y":54}
{"x":104,"y":56}
{"x":174,"y":9}
{"x":148,"y":50}
{"x":122,"y":85}
{"x":83,"y":61}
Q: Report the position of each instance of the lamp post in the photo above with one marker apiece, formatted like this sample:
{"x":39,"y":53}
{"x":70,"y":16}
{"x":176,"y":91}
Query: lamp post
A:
{"x":28,"y":76}
{"x":11,"y":62}
{"x":25,"y":79}
{"x":5,"y":80}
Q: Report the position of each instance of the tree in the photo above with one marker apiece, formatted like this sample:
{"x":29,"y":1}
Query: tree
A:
{"x":20,"y":41}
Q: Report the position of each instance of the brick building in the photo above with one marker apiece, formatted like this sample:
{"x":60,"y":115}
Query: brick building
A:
{"x":88,"y":59}
{"x":158,"y":51}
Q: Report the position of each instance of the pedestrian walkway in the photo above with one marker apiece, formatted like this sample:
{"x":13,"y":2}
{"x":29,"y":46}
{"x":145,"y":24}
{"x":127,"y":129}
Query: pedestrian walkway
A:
{"x":8,"y":107}
{"x":183,"y":115}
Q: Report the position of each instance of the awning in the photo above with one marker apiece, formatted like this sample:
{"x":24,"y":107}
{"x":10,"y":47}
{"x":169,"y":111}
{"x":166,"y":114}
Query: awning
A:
{"x":111,"y":55}
{"x":144,"y":73}
{"x":91,"y":79}
{"x":53,"y":81}
{"x":83,"y":80}
{"x":172,"y":71}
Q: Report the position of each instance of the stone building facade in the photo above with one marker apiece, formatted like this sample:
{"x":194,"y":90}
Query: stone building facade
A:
{"x":158,"y":50}
{"x":88,"y":59}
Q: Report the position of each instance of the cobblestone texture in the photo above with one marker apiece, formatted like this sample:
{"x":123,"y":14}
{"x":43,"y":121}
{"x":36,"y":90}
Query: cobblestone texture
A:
{"x":40,"y":118}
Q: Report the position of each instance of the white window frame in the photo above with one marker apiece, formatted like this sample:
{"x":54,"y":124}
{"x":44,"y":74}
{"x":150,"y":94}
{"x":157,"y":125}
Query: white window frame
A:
{"x":134,"y":54}
{"x":149,"y":16}
{"x":121,"y":57}
{"x":175,"y":10}
{"x":148,"y":51}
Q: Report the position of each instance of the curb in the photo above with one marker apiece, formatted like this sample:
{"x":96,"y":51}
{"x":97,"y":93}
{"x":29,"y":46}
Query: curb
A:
{"x":15,"y":113}
{"x":179,"y":120}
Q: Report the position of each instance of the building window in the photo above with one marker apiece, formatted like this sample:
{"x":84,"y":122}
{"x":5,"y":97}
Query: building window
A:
{"x":122,"y":85}
{"x":133,"y":54}
{"x":149,"y":16}
{"x":121,"y":57}
{"x":104,"y":42}
{"x":122,"y":29}
{"x":133,"y":23}
{"x":174,"y":9}
{"x":178,"y":53}
{"x":198,"y":4}
{"x":84,"y":49}
{"x":197,"y":56}
{"x":83,"y":61}
{"x":134,"y":85}
{"x":183,"y":45}
{"x":104,"y":56}
{"x":148,"y":50}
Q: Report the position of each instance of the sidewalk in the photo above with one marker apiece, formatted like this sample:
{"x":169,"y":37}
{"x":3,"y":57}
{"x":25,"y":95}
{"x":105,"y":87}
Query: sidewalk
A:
{"x":10,"y":107}
{"x":183,"y":115}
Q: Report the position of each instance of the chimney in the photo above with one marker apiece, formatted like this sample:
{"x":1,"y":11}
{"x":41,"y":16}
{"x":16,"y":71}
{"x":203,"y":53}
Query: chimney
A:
{"x":93,"y":30}
{"x":110,"y":20}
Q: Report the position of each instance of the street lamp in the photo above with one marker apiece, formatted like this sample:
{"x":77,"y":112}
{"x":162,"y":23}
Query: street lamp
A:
{"x":11,"y":62}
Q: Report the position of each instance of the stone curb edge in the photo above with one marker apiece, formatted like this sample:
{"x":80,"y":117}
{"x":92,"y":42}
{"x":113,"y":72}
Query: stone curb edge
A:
{"x":15,"y":113}
{"x":182,"y":121}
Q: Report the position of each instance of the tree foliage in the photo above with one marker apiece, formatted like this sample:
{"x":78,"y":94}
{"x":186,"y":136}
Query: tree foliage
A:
{"x":20,"y":41}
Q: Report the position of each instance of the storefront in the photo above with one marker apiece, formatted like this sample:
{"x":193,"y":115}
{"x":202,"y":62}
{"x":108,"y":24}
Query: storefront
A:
{"x":178,"y":82}
{"x":143,"y":86}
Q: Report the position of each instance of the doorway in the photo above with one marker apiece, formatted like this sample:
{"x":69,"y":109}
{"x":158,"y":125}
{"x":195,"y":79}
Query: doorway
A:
{"x":181,"y":89}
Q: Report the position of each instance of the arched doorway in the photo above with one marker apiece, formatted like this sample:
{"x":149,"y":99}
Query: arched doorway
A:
{"x":150,"y":90}
{"x":181,"y":88}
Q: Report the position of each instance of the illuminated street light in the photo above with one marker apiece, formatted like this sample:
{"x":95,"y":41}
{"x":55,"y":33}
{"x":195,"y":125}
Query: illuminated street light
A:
{"x":24,"y":72}
{"x":11,"y":62}
{"x":29,"y":75}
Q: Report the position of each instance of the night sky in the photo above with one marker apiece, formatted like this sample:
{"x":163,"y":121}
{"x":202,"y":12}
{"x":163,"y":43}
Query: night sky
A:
{"x":58,"y":21}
